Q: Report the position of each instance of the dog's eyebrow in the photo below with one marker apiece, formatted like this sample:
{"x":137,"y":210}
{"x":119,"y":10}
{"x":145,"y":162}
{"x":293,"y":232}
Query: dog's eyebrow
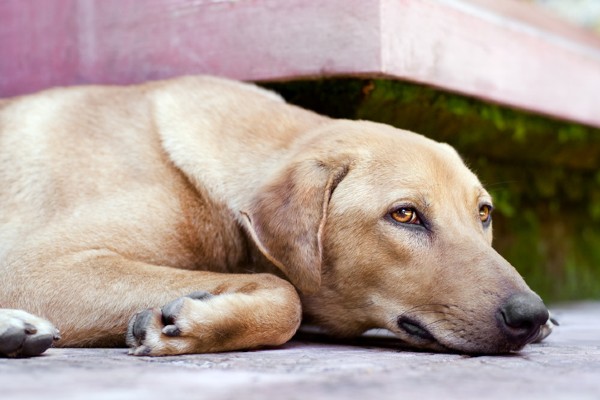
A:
{"x":482,"y":193}
{"x":420,"y":200}
{"x":419,"y":197}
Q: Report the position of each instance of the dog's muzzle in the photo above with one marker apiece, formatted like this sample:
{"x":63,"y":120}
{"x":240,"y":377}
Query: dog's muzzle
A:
{"x":519,"y":321}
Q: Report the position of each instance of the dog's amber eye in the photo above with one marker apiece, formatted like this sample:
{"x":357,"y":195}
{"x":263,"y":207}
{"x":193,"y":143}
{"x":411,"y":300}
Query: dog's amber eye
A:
{"x":485,"y":213}
{"x":406,"y":216}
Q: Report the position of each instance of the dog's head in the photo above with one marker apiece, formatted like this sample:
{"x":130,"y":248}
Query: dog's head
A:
{"x":383,"y":228}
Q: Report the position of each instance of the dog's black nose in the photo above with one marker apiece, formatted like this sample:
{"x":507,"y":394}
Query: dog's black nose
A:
{"x":521,"y":317}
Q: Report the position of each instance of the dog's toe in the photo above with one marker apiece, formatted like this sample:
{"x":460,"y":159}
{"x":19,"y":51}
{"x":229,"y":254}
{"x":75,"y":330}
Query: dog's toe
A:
{"x":11,"y":341}
{"x":138,"y":326}
{"x":171,"y":311}
{"x":148,"y":330}
{"x":34,"y":345}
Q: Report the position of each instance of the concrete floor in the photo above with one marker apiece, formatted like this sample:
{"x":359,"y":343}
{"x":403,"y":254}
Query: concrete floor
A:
{"x":566,"y":366}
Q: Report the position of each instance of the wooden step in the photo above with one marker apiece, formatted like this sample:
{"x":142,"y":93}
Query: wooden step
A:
{"x":501,"y":51}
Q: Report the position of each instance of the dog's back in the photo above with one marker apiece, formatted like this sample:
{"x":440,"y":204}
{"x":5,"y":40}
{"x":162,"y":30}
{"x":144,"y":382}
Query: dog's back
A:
{"x":94,"y":157}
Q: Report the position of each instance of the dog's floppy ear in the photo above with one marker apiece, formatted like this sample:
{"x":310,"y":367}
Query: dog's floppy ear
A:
{"x":287,"y":218}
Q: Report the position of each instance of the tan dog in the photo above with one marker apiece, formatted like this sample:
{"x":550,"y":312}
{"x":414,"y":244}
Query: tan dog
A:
{"x":166,"y":201}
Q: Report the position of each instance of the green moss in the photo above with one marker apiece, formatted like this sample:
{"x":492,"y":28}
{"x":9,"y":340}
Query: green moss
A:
{"x":542,"y":172}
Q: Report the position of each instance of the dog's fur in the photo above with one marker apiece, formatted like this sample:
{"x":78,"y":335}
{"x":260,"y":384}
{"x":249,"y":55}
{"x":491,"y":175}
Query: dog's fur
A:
{"x":183,"y":203}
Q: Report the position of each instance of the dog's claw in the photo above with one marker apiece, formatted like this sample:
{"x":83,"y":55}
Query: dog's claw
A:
{"x":30,"y":329}
{"x":171,"y":330}
{"x":200,"y":295}
{"x":140,"y":351}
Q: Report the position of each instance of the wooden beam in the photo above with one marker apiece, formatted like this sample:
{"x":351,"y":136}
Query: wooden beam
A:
{"x":504,"y":52}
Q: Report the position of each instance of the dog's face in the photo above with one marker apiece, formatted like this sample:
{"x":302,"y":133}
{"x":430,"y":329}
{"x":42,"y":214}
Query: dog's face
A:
{"x":399,"y":232}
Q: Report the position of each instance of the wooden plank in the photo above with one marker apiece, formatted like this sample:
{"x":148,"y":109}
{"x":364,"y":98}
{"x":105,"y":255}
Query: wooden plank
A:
{"x":38,"y":45}
{"x":499,"y":51}
{"x":119,"y":41}
{"x":473,"y":48}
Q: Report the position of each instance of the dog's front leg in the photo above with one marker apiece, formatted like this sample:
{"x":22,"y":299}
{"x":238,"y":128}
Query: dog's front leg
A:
{"x":263,"y":311}
{"x":92,"y":295}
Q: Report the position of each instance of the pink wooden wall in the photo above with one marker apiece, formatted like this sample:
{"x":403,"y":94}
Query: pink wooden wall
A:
{"x":501,"y":51}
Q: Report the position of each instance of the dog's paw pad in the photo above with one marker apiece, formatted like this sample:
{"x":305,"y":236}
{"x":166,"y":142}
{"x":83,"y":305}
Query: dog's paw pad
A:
{"x":139,"y":324}
{"x":25,"y":335}
{"x":35,"y":345}
{"x":11,"y":340}
{"x":146,"y":327}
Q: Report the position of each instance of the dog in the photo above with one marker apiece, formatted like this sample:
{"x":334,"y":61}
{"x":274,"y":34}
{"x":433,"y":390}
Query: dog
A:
{"x":200,"y":214}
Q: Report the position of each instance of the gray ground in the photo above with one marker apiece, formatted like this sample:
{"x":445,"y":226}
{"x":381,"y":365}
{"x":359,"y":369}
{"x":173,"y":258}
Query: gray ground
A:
{"x":567,"y":365}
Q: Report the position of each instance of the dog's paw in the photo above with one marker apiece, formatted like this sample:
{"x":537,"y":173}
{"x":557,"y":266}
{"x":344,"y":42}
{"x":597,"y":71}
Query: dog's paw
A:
{"x":24,"y":335}
{"x":546,"y":329}
{"x":152,"y":331}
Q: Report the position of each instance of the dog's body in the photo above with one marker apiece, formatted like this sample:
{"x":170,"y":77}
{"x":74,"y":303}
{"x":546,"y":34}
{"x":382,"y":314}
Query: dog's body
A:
{"x":185,"y":198}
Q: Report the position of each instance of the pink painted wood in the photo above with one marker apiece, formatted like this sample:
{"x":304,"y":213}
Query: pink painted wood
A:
{"x":503,"y":52}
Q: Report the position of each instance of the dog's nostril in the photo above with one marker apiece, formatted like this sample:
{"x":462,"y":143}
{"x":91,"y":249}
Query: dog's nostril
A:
{"x":414,"y":328}
{"x":523,"y":314}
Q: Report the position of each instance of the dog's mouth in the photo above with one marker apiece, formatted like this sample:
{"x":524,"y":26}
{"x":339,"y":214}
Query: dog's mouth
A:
{"x":415,"y":329}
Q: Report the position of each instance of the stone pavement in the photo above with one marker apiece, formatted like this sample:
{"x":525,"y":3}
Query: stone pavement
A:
{"x":566,"y":366}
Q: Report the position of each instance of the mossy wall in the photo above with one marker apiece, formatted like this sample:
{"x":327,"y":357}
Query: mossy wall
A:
{"x":543,"y":173}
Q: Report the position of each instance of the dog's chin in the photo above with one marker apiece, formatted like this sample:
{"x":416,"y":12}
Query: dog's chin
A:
{"x":417,"y":342}
{"x":418,"y":337}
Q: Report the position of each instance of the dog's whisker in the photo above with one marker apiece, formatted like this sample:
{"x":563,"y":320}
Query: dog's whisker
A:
{"x":433,"y":323}
{"x":501,"y":183}
{"x":450,"y":334}
{"x":358,"y":307}
{"x":425,"y":308}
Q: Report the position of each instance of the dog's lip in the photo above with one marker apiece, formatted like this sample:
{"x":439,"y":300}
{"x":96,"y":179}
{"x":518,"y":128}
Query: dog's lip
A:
{"x":415,"y":329}
{"x":532,"y":336}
